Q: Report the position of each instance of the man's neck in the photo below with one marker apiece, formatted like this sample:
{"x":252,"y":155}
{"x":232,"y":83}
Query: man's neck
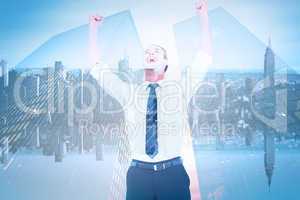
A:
{"x":152,"y":76}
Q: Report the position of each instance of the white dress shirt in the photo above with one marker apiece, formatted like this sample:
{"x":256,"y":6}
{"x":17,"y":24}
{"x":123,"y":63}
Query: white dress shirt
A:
{"x":172,"y":97}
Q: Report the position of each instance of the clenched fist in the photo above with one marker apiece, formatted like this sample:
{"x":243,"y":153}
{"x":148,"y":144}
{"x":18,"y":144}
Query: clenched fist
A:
{"x":201,"y":7}
{"x":96,"y":19}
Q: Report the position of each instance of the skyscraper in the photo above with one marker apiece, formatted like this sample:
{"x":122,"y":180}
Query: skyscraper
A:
{"x":222,"y":92}
{"x":269,"y":157}
{"x":58,"y":66}
{"x":4,"y":72}
{"x":269,"y":64}
{"x":269,"y":133}
{"x":247,"y":114}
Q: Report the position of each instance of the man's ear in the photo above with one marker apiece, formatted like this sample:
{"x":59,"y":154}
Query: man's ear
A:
{"x":166,"y":68}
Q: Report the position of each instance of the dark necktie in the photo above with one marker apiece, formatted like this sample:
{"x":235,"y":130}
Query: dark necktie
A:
{"x":151,"y":122}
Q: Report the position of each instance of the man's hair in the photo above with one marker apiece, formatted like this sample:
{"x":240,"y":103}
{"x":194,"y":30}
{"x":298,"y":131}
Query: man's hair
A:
{"x":164,"y":50}
{"x":165,"y":54}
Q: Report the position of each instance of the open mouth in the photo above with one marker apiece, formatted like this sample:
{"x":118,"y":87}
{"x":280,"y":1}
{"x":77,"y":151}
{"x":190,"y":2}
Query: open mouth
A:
{"x":151,"y":60}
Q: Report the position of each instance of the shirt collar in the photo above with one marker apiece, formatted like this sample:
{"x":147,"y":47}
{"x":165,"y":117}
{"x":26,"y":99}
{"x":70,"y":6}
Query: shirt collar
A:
{"x":160,"y":83}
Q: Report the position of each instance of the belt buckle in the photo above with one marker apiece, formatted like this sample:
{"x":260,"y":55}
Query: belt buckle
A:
{"x":155,"y":167}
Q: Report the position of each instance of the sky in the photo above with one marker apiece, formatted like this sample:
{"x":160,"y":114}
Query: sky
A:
{"x":25,"y":25}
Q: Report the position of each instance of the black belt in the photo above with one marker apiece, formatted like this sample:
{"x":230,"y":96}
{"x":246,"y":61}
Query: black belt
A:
{"x":158,"y":166}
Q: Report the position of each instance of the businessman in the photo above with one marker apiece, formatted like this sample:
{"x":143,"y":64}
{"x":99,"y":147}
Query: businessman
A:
{"x":156,"y":120}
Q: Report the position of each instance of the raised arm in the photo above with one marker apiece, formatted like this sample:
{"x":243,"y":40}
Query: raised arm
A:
{"x":200,"y":65}
{"x":205,"y":36}
{"x":107,"y":76}
{"x":204,"y":55}
{"x":94,"y":52}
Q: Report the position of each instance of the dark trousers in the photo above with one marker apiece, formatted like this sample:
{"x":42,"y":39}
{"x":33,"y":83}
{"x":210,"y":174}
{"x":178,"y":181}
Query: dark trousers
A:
{"x":169,"y":184}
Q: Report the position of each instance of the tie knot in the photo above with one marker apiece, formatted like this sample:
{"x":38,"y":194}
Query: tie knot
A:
{"x":153,"y":86}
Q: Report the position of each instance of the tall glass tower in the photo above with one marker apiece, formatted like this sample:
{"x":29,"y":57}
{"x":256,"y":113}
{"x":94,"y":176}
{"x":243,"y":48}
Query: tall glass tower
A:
{"x":269,"y":133}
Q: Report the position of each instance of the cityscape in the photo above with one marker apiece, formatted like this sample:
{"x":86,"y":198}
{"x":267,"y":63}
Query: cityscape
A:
{"x":51,"y":134}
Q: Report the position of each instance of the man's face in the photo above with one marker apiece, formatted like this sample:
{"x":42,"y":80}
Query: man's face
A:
{"x":155,"y":58}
